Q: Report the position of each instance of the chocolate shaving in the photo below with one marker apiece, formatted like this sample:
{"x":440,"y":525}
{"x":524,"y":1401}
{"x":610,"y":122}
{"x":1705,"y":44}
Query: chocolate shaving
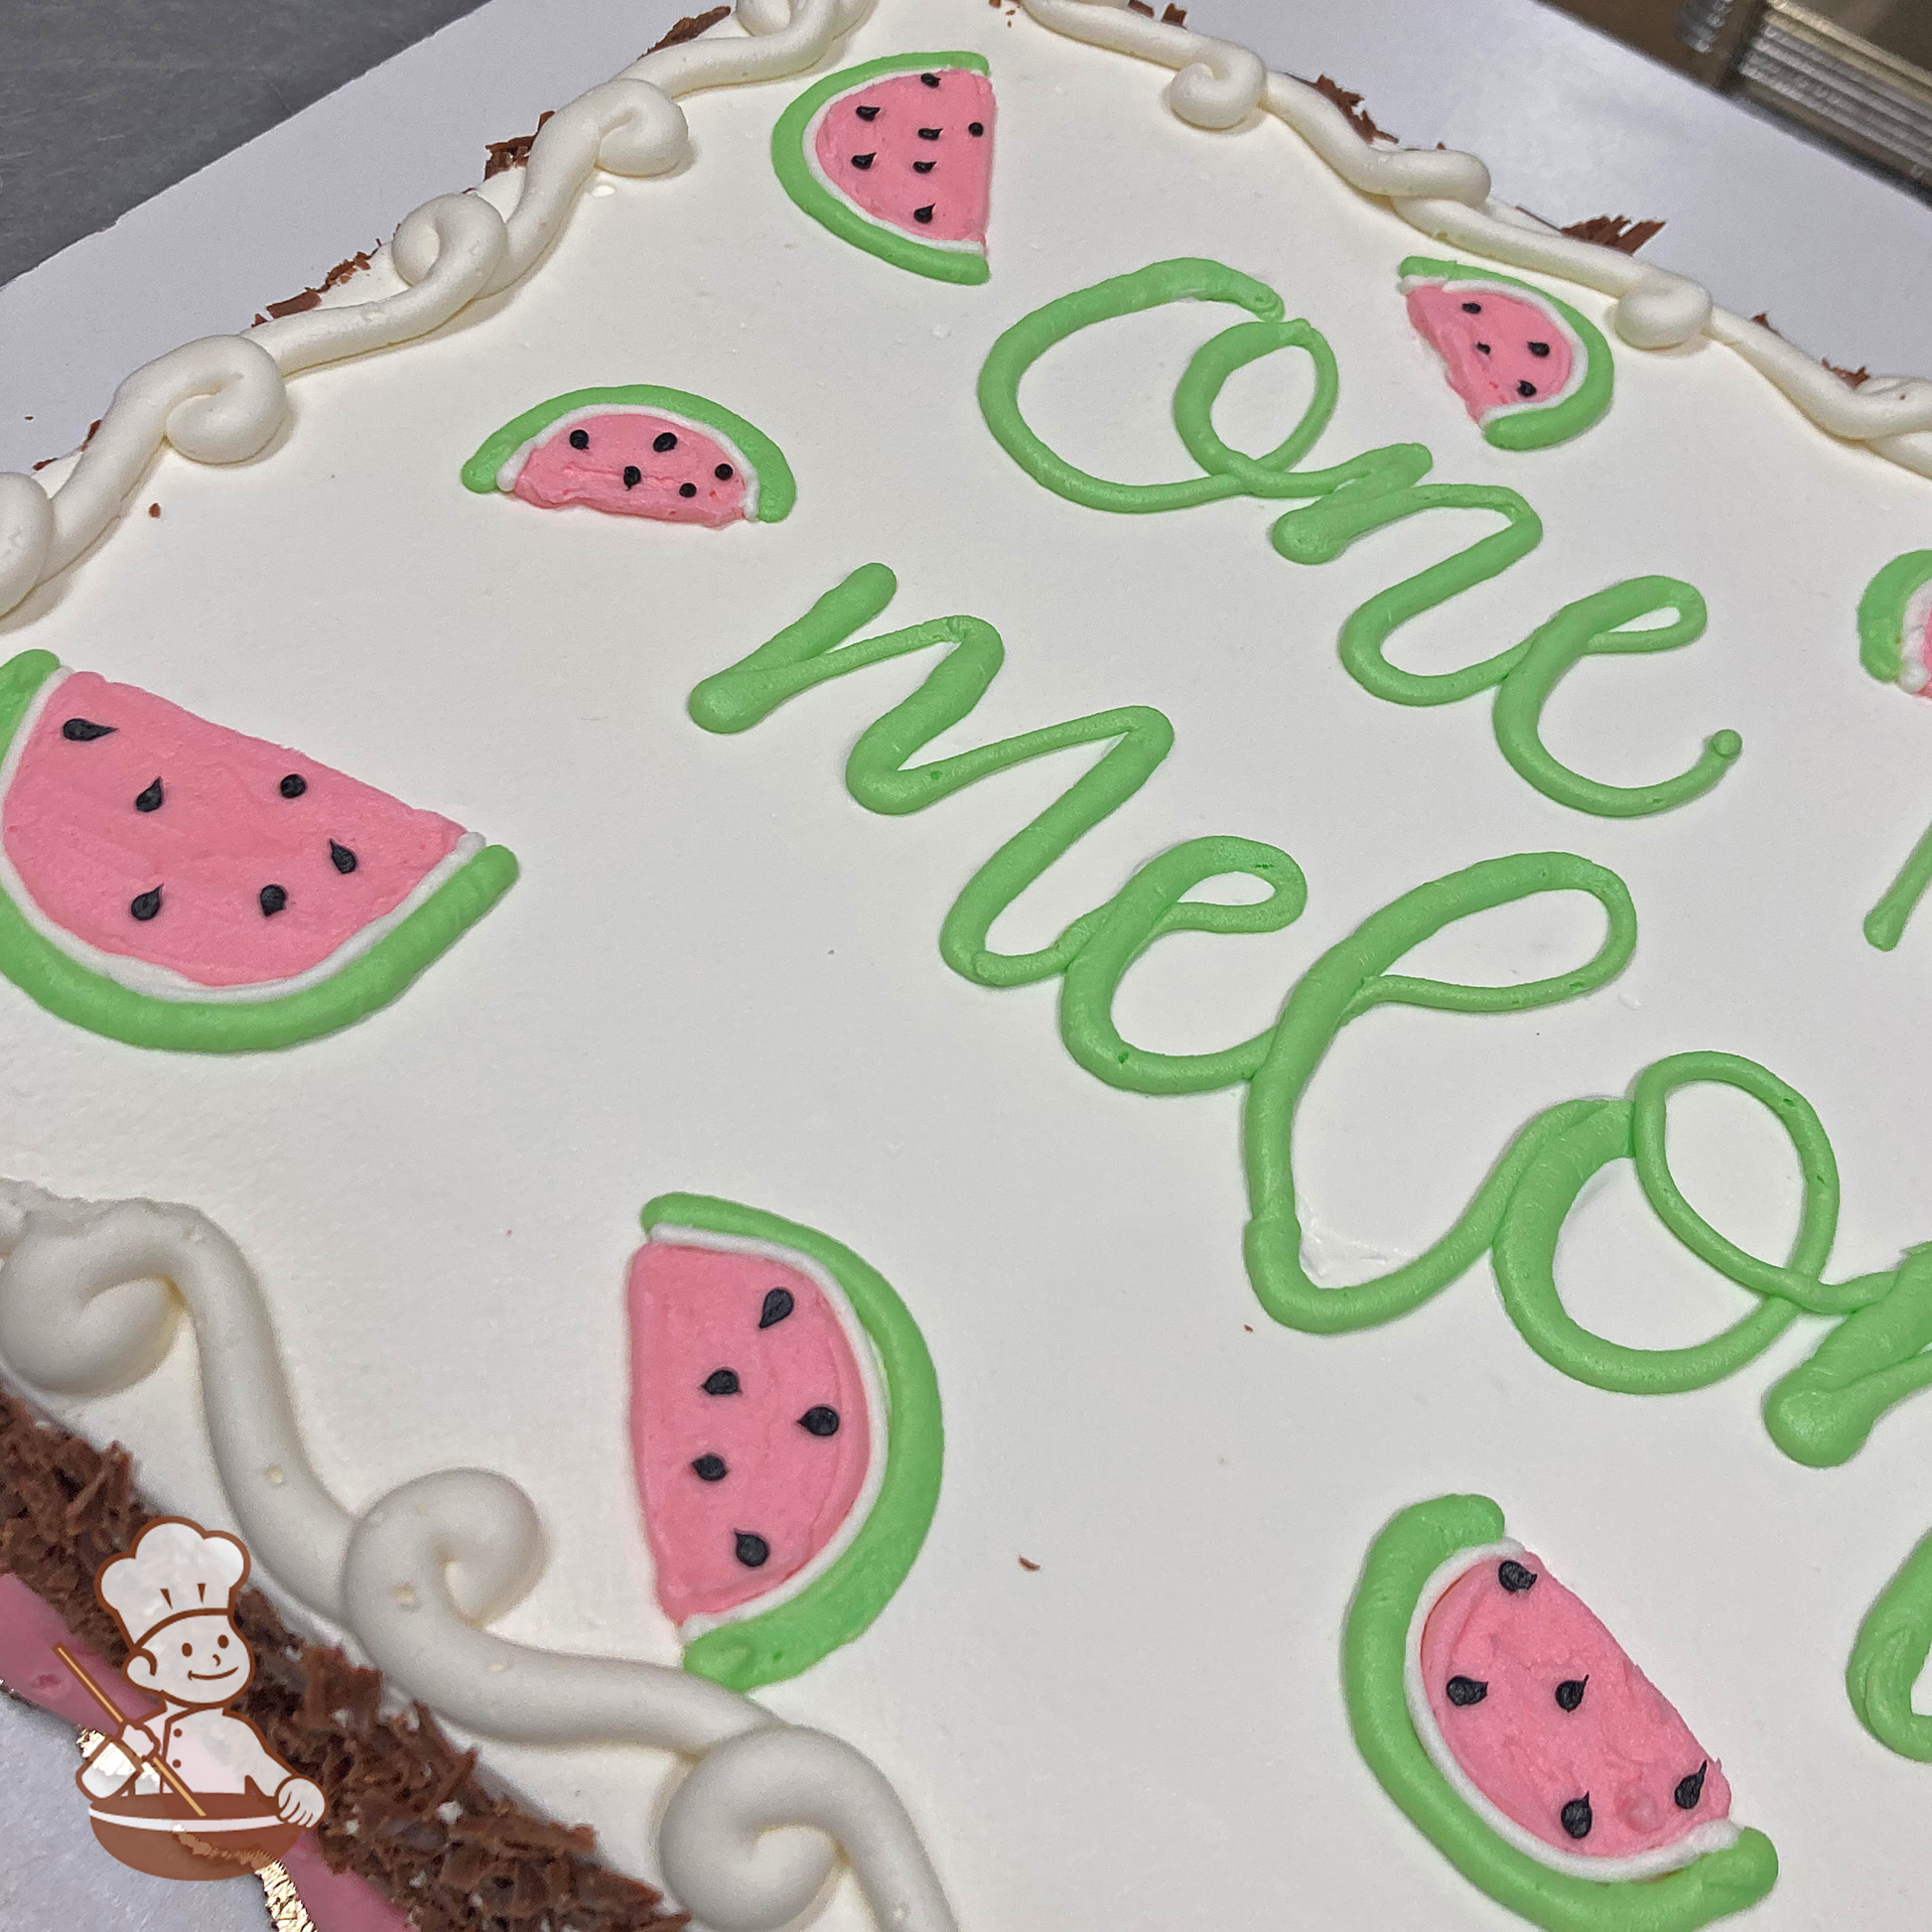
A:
{"x":348,"y":266}
{"x":1351,"y":104}
{"x":689,"y":28}
{"x":65,"y":1507}
{"x":1851,"y":378}
{"x":1616,"y":232}
{"x":503,"y":156}
{"x":312,"y":297}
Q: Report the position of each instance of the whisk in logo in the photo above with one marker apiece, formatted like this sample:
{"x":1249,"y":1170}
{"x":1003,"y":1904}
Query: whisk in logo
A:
{"x":189,"y":1790}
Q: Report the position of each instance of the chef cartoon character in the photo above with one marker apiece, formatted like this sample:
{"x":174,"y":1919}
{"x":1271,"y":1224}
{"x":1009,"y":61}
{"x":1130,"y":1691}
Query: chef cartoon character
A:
{"x":172,"y":1595}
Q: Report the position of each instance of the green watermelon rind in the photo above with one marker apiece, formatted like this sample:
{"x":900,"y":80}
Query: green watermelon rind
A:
{"x":778,"y":488}
{"x":838,"y":1605}
{"x":965,"y":266}
{"x":89,"y":999}
{"x":1375,"y":1643}
{"x":1533,"y":425}
{"x":1881,"y":612}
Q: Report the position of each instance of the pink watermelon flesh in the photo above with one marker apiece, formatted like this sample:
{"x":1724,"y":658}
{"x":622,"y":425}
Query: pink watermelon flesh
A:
{"x":635,"y":462}
{"x":748,"y":1422}
{"x":156,"y":836}
{"x":1499,"y":351}
{"x":1916,"y":653}
{"x":915,"y":151}
{"x":1553,"y":1722}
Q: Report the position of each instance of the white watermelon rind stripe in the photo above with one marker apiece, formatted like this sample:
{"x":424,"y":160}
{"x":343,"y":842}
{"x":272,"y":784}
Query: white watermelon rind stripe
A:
{"x":1415,"y":1555}
{"x":512,"y":466}
{"x":878,"y":1415}
{"x":774,"y":1640}
{"x":795,"y":159}
{"x":1492,"y":285}
{"x":1892,"y":615}
{"x":1717,"y":1835}
{"x":1545,"y":420}
{"x":50,"y":974}
{"x":154,"y":982}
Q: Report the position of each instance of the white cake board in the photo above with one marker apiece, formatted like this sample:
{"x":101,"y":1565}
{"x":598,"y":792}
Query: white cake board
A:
{"x":1570,"y":123}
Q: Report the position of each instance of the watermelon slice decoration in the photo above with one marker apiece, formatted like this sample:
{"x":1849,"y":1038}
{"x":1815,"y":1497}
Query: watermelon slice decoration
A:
{"x":638,"y":451}
{"x":786,"y":1429}
{"x":896,"y":157}
{"x":1895,"y":623}
{"x":169,"y":883}
{"x":1518,"y":1736}
{"x":1530,"y":370}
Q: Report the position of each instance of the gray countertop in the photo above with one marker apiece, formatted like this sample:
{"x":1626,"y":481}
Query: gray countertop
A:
{"x":105,"y":101}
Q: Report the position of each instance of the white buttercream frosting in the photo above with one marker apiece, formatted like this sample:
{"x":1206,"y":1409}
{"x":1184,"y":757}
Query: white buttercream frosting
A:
{"x":1446,"y":196}
{"x":87,"y":1305}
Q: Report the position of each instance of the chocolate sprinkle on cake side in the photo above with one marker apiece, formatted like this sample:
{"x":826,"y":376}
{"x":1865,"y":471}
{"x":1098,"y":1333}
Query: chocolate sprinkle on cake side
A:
{"x":390,"y":1777}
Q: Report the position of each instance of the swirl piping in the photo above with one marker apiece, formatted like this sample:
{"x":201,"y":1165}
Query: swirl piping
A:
{"x":89,"y":1296}
{"x":222,"y":399}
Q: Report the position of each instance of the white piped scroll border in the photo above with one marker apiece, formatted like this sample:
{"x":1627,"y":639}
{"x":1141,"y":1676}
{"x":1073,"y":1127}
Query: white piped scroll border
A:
{"x":221,"y":399}
{"x":1445,"y":195}
{"x":88,"y":1300}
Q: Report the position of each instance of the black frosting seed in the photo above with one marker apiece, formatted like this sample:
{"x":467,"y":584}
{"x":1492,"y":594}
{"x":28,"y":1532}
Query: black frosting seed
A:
{"x":665,"y":440}
{"x":923,"y":213}
{"x":580,"y":439}
{"x":1690,"y":1791}
{"x":294,"y":786}
{"x":723,"y":472}
{"x":710,"y":1469}
{"x":1482,"y":348}
{"x":1570,"y":1693}
{"x":150,"y":800}
{"x":928,"y":134}
{"x":924,"y":167}
{"x":929,"y":79}
{"x":819,"y":1420}
{"x":83,"y":731}
{"x":341,"y":858}
{"x":1539,"y":349}
{"x":866,"y":113}
{"x":144,"y":906}
{"x":1577,"y":1817}
{"x":778,"y":1304}
{"x":752,"y":1551}
{"x":633,"y":476}
{"x":1513,"y":1577}
{"x":272,"y":898}
{"x":863,"y":161}
{"x":687,"y":489}
{"x":720,"y":1381}
{"x":1473,"y":307}
{"x":1526,"y":389}
{"x":975,"y":127}
{"x":1465,"y":1691}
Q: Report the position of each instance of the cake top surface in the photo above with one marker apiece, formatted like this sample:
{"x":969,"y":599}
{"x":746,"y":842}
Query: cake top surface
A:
{"x":721,"y":976}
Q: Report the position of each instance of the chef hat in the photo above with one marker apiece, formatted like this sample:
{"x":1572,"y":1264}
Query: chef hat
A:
{"x":175,"y":1568}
